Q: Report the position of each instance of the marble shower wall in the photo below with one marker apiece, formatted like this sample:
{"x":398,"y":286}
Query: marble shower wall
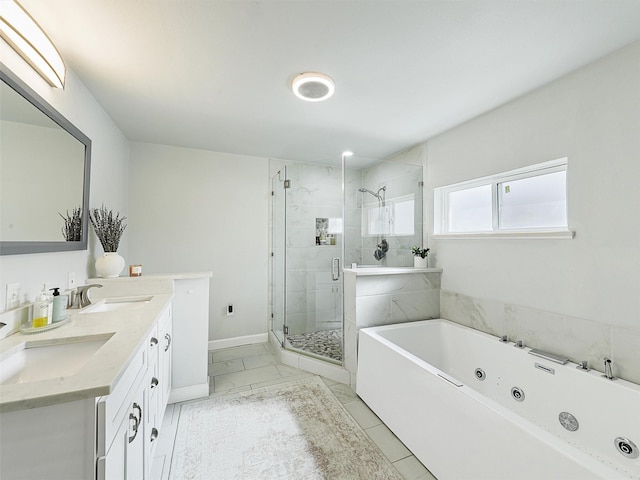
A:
{"x":314,"y":301}
{"x":401,"y":180}
{"x":352,"y":220}
{"x":576,"y":338}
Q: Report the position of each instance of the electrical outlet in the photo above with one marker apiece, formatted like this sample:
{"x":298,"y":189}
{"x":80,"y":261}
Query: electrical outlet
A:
{"x":13,"y":295}
{"x":72,"y":281}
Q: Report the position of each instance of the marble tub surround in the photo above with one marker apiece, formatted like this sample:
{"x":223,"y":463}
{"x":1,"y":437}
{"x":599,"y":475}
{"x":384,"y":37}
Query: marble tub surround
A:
{"x":577,"y":338}
{"x":395,"y":295}
{"x":384,"y":296}
{"x":126,"y":334}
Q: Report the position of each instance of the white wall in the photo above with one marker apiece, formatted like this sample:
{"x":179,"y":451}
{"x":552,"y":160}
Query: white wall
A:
{"x":591,"y":116}
{"x":109,"y":180}
{"x":196,"y":210}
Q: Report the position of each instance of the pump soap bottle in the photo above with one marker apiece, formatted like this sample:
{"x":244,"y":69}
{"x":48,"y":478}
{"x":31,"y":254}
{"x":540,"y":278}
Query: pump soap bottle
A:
{"x":59,"y":306}
{"x":42,"y":309}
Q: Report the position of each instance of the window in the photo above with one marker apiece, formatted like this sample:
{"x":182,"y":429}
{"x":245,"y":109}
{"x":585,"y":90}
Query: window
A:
{"x":528,"y":200}
{"x":395,"y":218}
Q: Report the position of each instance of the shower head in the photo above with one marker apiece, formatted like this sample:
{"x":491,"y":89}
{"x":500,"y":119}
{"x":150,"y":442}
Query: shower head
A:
{"x":366,"y":190}
{"x":377,"y":195}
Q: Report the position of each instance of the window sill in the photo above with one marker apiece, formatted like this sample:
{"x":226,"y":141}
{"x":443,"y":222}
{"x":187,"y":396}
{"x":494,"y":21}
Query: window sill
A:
{"x":551,"y":234}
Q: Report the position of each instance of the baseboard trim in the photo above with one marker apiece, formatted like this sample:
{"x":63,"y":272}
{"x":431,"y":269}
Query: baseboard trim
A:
{"x":238,"y":341}
{"x":189,"y":393}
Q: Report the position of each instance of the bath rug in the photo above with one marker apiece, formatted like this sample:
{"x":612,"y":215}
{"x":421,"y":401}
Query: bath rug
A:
{"x":292,"y":431}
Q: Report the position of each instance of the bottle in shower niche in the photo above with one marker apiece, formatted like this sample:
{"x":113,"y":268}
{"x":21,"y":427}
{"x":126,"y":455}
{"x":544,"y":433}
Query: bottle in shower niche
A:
{"x":42,"y":309}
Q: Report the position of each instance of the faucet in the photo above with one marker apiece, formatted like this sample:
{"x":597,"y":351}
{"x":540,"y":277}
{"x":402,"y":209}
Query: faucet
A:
{"x":83,"y":294}
{"x":583,"y":365}
{"x":608,"y":371}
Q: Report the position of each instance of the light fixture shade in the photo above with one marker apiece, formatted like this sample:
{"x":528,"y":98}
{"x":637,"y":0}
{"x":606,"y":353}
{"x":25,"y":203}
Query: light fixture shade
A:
{"x":313,"y":86}
{"x":29,"y":40}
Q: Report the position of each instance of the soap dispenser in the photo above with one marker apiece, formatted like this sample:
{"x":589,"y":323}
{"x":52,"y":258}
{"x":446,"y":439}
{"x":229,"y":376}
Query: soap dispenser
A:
{"x":42,"y":309}
{"x":59,"y":306}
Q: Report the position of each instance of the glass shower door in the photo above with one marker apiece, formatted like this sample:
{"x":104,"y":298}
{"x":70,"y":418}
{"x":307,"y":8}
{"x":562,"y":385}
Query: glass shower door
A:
{"x":313,"y":265}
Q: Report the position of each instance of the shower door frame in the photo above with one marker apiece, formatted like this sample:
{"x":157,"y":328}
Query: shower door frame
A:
{"x":277,"y":323}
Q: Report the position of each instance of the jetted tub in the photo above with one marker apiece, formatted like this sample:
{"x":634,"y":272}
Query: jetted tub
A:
{"x":472,"y":407}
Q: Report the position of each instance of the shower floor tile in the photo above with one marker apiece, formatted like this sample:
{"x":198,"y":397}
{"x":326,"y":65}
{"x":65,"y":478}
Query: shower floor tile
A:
{"x":326,"y":343}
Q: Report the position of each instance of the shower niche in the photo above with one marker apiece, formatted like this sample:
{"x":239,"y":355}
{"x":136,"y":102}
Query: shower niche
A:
{"x":327,"y":230}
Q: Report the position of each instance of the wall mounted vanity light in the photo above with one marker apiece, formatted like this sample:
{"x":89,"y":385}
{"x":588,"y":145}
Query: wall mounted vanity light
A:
{"x":26,"y":37}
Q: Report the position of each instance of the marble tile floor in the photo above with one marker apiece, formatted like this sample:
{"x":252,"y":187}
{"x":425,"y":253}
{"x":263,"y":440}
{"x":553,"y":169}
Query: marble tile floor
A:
{"x":253,"y":366}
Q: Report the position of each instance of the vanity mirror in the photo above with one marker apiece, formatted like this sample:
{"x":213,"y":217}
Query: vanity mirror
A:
{"x":44,"y":173}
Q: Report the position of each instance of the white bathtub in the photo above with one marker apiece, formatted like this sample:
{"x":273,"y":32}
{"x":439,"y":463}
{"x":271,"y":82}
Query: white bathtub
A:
{"x":420,"y":379}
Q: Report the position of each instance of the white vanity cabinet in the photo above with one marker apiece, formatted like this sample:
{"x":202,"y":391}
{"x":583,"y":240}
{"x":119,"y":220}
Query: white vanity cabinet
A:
{"x":129,"y":418}
{"x":111,"y":437}
{"x":190,"y":329}
{"x":191,"y":339}
{"x":159,"y":386}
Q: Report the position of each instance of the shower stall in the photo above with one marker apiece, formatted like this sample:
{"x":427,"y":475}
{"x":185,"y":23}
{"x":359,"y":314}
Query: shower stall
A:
{"x":325,"y":218}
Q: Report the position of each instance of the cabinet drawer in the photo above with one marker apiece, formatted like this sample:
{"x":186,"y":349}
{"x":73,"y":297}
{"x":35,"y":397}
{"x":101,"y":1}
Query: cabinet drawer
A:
{"x":112,"y":408}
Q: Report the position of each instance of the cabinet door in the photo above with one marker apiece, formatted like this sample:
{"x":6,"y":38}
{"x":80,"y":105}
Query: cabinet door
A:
{"x":135,"y":441}
{"x":112,"y":466}
{"x":125,"y":459}
{"x":164,"y":363}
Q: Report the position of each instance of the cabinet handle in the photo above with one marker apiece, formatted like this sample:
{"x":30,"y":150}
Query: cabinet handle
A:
{"x":168,"y":337}
{"x":139,"y":408}
{"x":154,"y":434}
{"x":154,"y":382}
{"x":154,"y":341}
{"x":135,"y":427}
{"x":136,"y":421}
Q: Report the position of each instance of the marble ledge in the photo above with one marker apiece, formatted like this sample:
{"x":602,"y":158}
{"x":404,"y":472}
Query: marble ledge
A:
{"x":372,"y":271}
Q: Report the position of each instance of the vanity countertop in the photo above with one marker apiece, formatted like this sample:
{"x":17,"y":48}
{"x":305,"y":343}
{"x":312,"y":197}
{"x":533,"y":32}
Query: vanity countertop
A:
{"x":127,"y":330}
{"x":155,"y":276}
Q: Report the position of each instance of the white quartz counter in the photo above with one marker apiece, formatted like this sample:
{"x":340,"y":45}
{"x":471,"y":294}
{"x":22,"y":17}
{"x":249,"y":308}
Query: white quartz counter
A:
{"x":126,"y":330}
{"x":370,"y":271}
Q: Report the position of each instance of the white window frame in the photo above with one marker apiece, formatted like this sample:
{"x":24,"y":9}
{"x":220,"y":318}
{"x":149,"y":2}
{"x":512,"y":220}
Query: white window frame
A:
{"x":389,"y":205}
{"x":441,"y":207}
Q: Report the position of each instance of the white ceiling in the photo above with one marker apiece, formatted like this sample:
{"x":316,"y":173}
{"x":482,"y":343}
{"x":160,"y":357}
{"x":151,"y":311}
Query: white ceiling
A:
{"x":215,"y":74}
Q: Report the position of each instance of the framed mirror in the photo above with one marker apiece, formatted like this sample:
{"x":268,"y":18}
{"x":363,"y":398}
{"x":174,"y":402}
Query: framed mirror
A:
{"x":45,"y":164}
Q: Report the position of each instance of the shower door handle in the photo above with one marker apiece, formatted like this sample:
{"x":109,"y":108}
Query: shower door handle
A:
{"x":335,"y":269}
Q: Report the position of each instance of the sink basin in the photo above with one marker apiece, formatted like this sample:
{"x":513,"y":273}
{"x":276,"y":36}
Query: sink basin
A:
{"x":117,"y":303}
{"x":34,"y":362}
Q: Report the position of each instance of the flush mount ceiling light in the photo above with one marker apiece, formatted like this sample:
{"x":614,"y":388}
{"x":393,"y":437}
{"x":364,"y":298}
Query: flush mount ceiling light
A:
{"x":27,"y":38}
{"x":313,"y":86}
